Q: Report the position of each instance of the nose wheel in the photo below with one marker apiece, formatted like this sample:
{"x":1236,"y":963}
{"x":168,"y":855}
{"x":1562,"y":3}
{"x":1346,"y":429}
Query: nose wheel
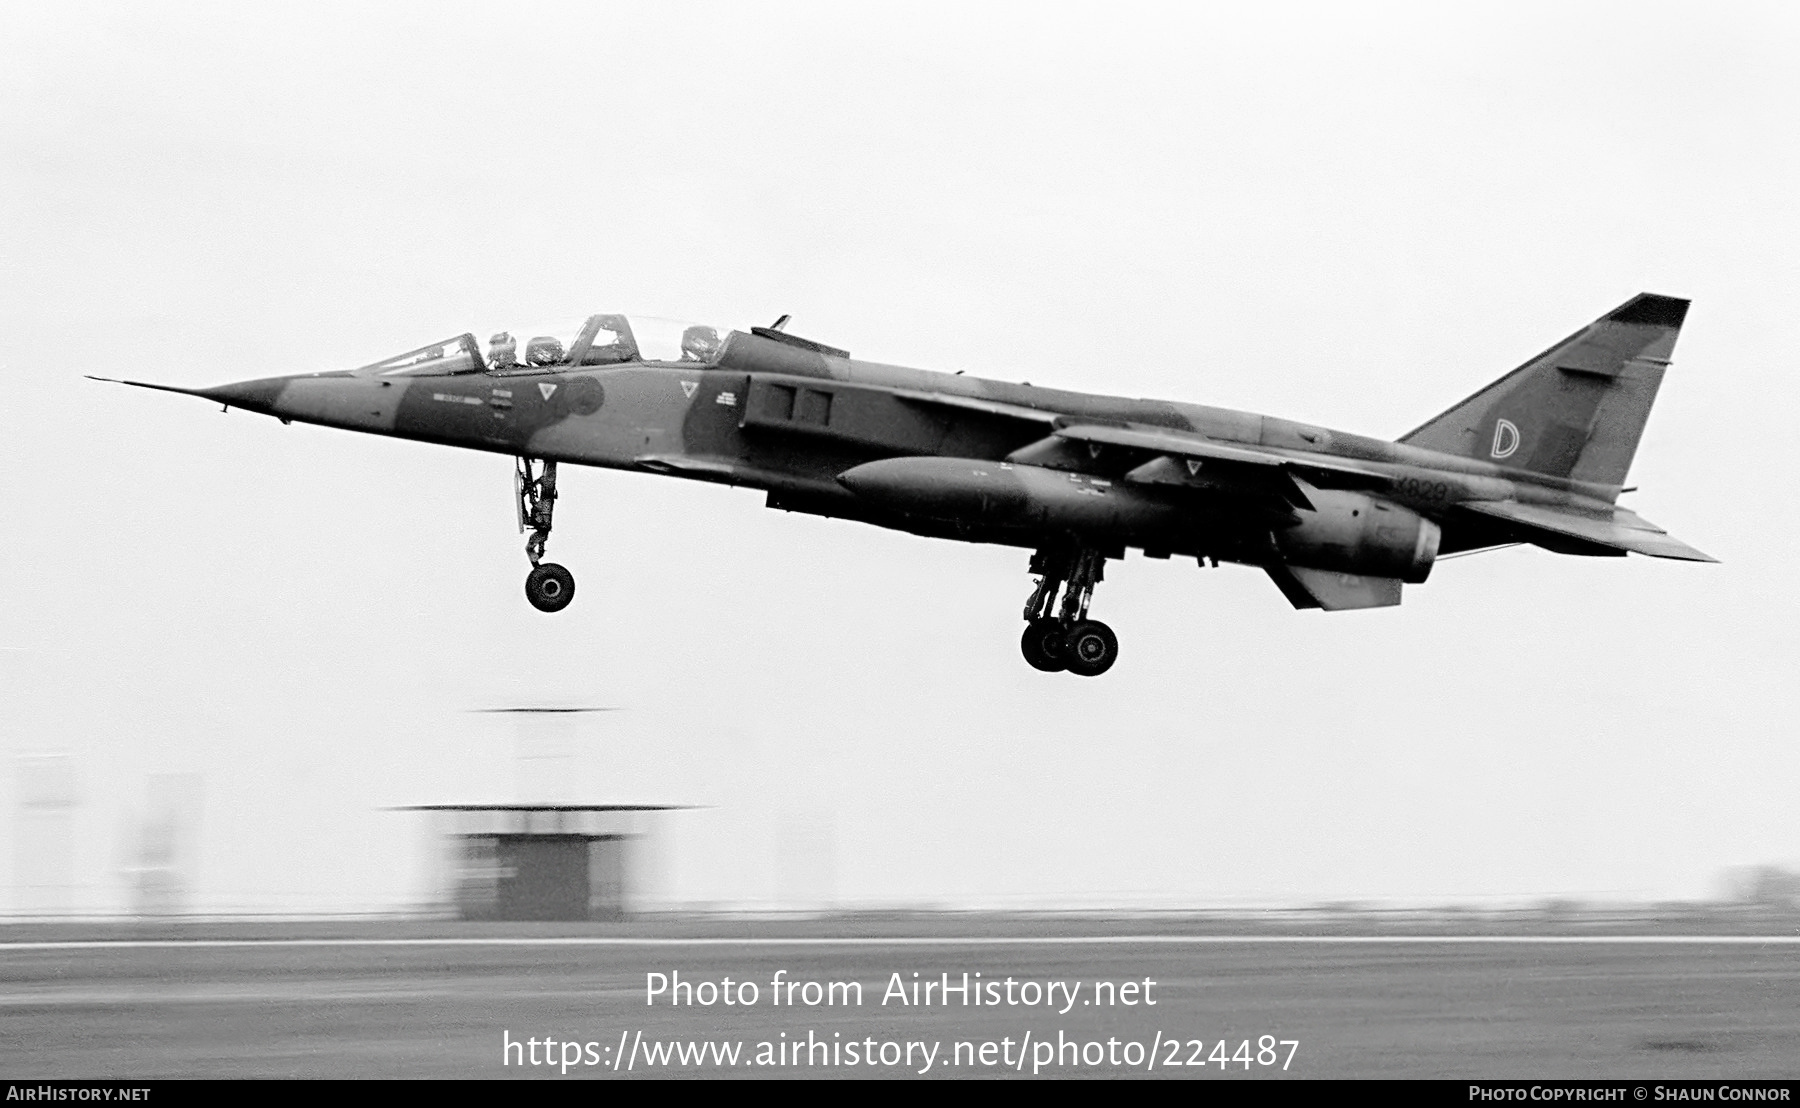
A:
{"x":1062,"y":637}
{"x":548,"y":586}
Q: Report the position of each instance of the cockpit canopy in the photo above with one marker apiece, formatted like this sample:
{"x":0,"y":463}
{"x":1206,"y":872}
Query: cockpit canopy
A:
{"x":605,"y":339}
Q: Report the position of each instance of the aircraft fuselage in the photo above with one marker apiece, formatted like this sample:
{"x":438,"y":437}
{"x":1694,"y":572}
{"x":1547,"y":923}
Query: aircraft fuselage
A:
{"x":1338,"y":520}
{"x":793,"y":435}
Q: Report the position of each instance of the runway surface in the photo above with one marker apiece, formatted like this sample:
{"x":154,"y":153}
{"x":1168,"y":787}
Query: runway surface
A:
{"x":444,"y":1001}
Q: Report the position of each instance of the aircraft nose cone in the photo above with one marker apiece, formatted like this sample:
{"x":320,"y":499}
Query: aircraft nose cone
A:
{"x":253,"y":396}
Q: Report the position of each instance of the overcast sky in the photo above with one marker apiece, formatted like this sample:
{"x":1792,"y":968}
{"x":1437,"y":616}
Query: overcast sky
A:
{"x":1348,"y":214}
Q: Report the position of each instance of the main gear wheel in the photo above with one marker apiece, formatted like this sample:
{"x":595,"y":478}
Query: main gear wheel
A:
{"x":1090,"y":648}
{"x":1042,"y":644}
{"x":1061,"y":636}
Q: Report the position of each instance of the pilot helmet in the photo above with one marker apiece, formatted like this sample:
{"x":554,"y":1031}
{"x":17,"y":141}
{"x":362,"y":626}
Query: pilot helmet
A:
{"x":699,"y":342}
{"x":544,"y":350}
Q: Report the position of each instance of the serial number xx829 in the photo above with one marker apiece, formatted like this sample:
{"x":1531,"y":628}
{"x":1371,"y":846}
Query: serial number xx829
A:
{"x":1414,"y":488}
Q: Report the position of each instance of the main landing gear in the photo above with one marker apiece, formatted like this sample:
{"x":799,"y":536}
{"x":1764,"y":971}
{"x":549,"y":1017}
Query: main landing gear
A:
{"x":1062,"y":639}
{"x":548,"y":586}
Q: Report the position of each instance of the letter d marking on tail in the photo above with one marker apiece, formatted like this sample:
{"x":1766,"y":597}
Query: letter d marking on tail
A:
{"x":1506,"y":439}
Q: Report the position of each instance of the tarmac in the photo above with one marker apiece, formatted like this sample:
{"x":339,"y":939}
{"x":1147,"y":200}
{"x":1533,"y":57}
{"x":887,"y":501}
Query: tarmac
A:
{"x":1050,"y":998}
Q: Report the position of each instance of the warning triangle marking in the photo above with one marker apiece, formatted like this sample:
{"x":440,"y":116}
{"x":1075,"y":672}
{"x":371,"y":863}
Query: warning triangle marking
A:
{"x":546,"y":390}
{"x":1193,"y":467}
{"x":688,"y":387}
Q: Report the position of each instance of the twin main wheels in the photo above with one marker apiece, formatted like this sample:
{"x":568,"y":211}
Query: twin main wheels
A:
{"x":1087,"y":648}
{"x":549,"y":587}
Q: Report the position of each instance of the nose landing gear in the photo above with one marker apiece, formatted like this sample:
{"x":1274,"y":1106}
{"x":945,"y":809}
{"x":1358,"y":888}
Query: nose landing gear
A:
{"x":548,"y":586}
{"x":1066,"y":639}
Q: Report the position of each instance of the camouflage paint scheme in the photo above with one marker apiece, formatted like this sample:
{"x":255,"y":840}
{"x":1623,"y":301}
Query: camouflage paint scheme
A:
{"x":1339,"y":520}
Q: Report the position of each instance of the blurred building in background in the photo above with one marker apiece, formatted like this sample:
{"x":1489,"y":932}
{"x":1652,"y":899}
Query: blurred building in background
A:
{"x":44,"y":809}
{"x":538,"y":861}
{"x":161,"y":869}
{"x":1770,"y":888}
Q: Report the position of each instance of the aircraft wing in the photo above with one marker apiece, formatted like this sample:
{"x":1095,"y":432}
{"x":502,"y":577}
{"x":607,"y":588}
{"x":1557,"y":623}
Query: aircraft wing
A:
{"x":1187,"y":444}
{"x":978,"y":404}
{"x":1161,"y":440}
{"x":1186,"y":459}
{"x":1622,"y":530}
{"x":1164,"y":441}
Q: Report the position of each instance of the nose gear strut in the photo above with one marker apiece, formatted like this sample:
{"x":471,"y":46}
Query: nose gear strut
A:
{"x":1067,"y":639}
{"x":548,"y":586}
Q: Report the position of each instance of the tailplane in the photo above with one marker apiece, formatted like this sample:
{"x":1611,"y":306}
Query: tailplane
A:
{"x":1578,"y":409}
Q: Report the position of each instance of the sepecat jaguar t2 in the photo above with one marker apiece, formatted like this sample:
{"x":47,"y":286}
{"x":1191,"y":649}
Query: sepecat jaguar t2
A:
{"x":1338,"y":521}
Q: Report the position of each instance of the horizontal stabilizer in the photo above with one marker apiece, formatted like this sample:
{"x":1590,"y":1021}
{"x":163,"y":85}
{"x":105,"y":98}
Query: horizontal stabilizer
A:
{"x":1333,"y":591}
{"x":1622,"y":530}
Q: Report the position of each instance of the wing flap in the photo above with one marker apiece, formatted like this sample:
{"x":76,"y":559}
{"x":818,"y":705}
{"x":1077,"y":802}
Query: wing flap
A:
{"x":1622,"y":530}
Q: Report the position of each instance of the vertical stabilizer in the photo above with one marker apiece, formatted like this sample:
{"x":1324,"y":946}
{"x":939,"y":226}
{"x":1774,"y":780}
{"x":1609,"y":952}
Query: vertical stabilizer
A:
{"x":1578,"y":409}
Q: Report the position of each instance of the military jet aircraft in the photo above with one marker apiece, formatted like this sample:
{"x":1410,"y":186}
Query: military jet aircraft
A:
{"x":1338,"y":521}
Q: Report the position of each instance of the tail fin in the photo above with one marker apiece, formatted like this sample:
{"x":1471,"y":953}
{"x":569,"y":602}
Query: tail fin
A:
{"x":1578,"y":409}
